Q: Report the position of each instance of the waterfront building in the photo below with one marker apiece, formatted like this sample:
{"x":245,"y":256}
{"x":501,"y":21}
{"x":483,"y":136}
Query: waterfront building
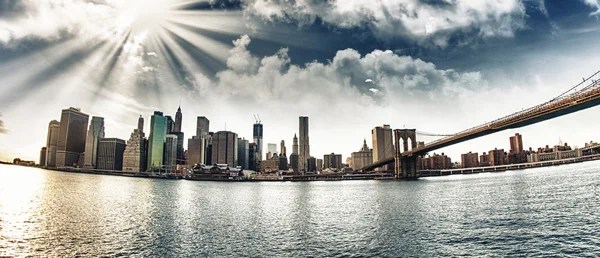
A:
{"x":170,"y":153}
{"x":283,"y":162}
{"x":71,"y":137}
{"x":202,"y":126}
{"x":497,"y":157}
{"x":304,"y":145}
{"x":436,"y":162}
{"x":294,"y":162}
{"x":333,"y":161}
{"x":257,"y":134}
{"x":484,"y":160}
{"x":110,"y":154}
{"x":43,"y":156}
{"x":196,"y":150}
{"x":383,"y":146}
{"x":180,"y":157}
{"x":362,"y":158}
{"x":295,"y":144}
{"x":319,"y":164}
{"x":156,"y":141}
{"x":469,"y":160}
{"x":253,"y":159}
{"x":178,"y":118}
{"x":52,"y":143}
{"x":516,"y":143}
{"x":134,"y":156}
{"x":95,"y":133}
{"x":225,"y":148}
{"x":243,"y":153}
{"x":311,"y":164}
{"x":270,"y":165}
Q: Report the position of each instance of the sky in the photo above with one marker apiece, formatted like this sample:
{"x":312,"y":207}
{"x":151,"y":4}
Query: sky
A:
{"x":439,"y":66}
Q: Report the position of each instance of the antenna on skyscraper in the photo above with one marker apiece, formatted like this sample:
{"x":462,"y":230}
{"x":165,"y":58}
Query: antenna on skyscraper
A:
{"x":258,"y":118}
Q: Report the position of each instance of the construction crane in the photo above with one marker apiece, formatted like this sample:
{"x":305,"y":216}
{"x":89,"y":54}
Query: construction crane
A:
{"x":256,"y":118}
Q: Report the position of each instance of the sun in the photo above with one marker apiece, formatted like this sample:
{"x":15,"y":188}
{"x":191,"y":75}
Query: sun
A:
{"x":142,"y":16}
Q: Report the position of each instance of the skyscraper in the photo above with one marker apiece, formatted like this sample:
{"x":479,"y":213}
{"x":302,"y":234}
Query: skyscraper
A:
{"x":383,"y":146}
{"x":332,"y":161}
{"x":252,"y":157}
{"x":295,"y":145}
{"x":294,"y":162}
{"x":95,"y":133}
{"x":43,"y":152}
{"x":257,"y":133}
{"x":178,"y":117}
{"x":304,"y":150}
{"x":243,"y":153}
{"x":282,"y":148}
{"x":180,"y":159}
{"x":110,"y":154}
{"x":516,"y":143}
{"x":170,"y":153}
{"x":202,"y":126}
{"x":170,"y":124}
{"x":134,"y":156}
{"x":156,"y":141}
{"x":71,"y":137}
{"x":141,"y":125}
{"x":196,"y":151}
{"x":52,"y":143}
{"x":224,"y":148}
{"x":363,"y":157}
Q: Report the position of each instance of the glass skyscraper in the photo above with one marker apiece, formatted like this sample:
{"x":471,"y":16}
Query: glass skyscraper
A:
{"x":156,"y":141}
{"x":95,"y":133}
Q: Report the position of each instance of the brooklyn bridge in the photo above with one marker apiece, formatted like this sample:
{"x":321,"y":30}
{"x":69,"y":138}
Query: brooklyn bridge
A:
{"x":584,"y":95}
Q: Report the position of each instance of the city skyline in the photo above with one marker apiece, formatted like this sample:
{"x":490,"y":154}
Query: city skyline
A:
{"x":442,"y":80}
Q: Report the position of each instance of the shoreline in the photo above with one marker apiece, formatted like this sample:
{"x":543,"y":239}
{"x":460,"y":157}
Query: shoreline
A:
{"x":336,"y":177}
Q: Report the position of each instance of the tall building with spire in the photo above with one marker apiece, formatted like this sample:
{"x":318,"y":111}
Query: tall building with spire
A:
{"x":52,"y":143}
{"x":304,"y":146}
{"x":363,"y":157}
{"x":140,"y":126}
{"x":257,"y":133}
{"x":156,"y":141}
{"x":95,"y":133}
{"x":295,"y":145}
{"x":71,"y":137}
{"x":178,"y":118}
{"x":282,"y":149}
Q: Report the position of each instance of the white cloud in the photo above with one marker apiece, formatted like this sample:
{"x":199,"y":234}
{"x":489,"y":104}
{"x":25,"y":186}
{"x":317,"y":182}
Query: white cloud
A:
{"x":414,"y":19}
{"x":594,"y":4}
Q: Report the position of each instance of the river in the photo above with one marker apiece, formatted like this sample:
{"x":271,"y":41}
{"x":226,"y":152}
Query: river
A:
{"x":535,"y":212}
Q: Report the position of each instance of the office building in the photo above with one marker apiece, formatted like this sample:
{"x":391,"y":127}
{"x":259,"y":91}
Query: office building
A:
{"x":294,"y":162}
{"x":253,"y":160}
{"x":516,"y":143}
{"x":43,"y":152}
{"x":196,"y":151}
{"x":283,"y":162}
{"x":156,"y":141}
{"x":52,"y":143}
{"x":282,"y":149}
{"x":295,"y":144}
{"x":170,"y":153}
{"x":170,"y":124}
{"x":469,"y":160}
{"x":180,"y":157}
{"x":224,"y":148}
{"x":304,"y":145}
{"x":178,"y":117}
{"x":243,"y":153}
{"x":134,"y":156}
{"x":257,"y":134}
{"x":202,"y":126}
{"x":95,"y":133}
{"x":383,"y":146}
{"x":362,"y":158}
{"x":319,"y":164}
{"x":332,"y":161}
{"x":311,"y":164}
{"x":71,"y":137}
{"x":140,"y":126}
{"x":110,"y":154}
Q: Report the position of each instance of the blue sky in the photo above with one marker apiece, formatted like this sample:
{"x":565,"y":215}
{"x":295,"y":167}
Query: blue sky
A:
{"x":438,"y":66}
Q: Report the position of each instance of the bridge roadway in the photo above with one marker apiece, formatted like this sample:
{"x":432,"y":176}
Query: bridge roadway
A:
{"x":586,"y":97}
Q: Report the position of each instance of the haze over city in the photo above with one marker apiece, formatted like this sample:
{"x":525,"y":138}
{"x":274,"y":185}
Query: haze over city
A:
{"x":347,"y":66}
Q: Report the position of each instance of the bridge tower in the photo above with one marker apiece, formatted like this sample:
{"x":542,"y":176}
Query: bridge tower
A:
{"x":405,"y":167}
